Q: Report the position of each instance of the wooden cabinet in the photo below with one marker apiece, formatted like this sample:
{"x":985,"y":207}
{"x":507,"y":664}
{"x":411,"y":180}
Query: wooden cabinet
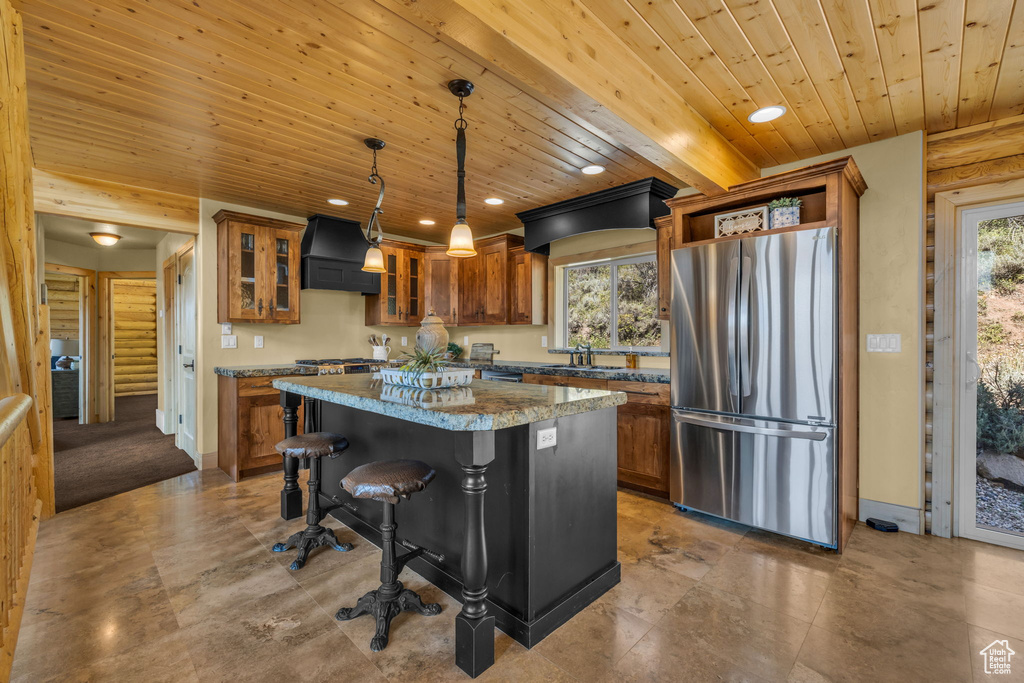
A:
{"x":664,"y":255}
{"x":257,"y":269}
{"x":441,"y":293}
{"x":250,"y":422}
{"x":644,"y":433}
{"x":400,"y":301}
{"x":527,"y":288}
{"x":483,"y":287}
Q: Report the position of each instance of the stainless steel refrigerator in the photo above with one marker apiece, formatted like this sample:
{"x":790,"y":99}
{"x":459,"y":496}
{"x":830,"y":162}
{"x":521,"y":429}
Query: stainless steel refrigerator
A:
{"x":754,"y":381}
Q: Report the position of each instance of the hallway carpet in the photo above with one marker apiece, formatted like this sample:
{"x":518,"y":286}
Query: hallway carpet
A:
{"x":97,"y":461}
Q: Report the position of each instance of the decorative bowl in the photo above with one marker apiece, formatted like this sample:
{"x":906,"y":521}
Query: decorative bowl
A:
{"x":442,"y":379}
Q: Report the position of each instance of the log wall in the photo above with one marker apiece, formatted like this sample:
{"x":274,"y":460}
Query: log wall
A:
{"x":135,"y":351}
{"x":64,"y":298}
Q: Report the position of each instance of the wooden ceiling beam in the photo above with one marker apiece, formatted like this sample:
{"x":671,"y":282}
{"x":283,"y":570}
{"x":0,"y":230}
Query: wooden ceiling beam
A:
{"x":563,"y":54}
{"x":106,"y":202}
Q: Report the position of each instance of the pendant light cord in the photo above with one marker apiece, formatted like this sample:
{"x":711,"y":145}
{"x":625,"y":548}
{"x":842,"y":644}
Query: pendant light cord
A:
{"x":460,"y":154}
{"x":377,"y":211}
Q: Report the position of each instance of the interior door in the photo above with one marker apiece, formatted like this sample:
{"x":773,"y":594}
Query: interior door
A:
{"x":787,"y":326}
{"x":705,"y":281}
{"x":185,"y":303}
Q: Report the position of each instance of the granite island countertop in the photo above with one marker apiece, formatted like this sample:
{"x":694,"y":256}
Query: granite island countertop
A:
{"x":480,"y":406}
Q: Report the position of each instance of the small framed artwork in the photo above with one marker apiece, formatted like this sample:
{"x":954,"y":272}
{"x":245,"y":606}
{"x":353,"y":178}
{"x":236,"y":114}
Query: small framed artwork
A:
{"x":741,"y":222}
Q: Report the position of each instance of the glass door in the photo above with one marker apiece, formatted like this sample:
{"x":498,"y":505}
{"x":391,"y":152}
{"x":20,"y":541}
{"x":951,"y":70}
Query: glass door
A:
{"x":247,"y":297}
{"x":990,"y":376}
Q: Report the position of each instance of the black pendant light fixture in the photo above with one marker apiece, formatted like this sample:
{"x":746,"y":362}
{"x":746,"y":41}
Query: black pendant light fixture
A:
{"x":461,"y":242}
{"x":374,"y":260}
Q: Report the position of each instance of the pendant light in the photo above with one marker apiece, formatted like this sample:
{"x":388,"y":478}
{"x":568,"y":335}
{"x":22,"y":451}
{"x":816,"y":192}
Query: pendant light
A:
{"x":374,"y":260}
{"x":461,"y":242}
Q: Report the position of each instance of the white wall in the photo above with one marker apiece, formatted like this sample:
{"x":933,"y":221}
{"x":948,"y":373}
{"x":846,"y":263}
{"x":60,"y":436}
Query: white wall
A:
{"x":98,"y":258}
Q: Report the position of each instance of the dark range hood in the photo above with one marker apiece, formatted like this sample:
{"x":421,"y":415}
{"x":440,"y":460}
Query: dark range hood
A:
{"x":633,"y":205}
{"x":332,"y":256}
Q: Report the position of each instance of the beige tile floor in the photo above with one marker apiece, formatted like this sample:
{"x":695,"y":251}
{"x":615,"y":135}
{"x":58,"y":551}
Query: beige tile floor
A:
{"x":176,"y":582}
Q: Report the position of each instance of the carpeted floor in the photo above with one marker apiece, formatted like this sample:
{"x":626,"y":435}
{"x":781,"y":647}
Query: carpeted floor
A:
{"x":96,"y":461}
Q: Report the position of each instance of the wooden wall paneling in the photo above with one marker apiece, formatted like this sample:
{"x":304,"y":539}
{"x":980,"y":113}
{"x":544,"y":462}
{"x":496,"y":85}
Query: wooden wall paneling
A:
{"x":959,"y":177}
{"x":43,"y":407}
{"x":941,"y":30}
{"x":64,"y":299}
{"x":899,"y":50}
{"x":101,"y":201}
{"x":985,"y":25}
{"x":135,"y":350}
{"x":1008,"y":99}
{"x":983,"y":142}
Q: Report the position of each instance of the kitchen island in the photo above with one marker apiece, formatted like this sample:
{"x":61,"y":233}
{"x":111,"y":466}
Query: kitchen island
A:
{"x":524,"y":536}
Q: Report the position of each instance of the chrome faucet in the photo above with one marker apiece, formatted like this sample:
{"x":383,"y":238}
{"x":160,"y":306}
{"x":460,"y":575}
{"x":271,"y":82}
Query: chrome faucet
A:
{"x":580,"y":348}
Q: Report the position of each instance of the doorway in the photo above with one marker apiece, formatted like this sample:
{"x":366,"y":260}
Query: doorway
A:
{"x":989,"y":374}
{"x":71,"y":296}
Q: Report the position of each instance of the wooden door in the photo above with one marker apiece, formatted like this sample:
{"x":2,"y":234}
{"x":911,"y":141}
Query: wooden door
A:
{"x":441,"y":293}
{"x":281,"y":289}
{"x":664,"y":255}
{"x":495,"y":290}
{"x":260,"y":428}
{"x":391,"y":300}
{"x":471,"y":290}
{"x":644,"y":446}
{"x":244,"y":255}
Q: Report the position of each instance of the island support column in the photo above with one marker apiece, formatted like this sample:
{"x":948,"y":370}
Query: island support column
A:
{"x":291,"y":494}
{"x":474,"y":628}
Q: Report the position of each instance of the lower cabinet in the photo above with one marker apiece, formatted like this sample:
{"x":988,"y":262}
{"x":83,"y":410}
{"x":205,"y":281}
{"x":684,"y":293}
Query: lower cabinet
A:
{"x":250,"y":422}
{"x":644,"y":424}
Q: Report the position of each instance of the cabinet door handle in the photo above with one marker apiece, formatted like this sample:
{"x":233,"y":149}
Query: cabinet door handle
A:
{"x":259,"y":307}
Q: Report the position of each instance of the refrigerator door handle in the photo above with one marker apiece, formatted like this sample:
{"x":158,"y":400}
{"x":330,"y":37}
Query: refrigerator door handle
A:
{"x":745,"y":325}
{"x":734,"y":380}
{"x":690,"y":418}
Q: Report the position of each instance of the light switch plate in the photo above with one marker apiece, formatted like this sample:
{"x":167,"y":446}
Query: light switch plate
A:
{"x":465,"y":340}
{"x":405,"y":341}
{"x":884,"y":343}
{"x":544,"y":341}
{"x":257,"y":341}
{"x":225,"y":328}
{"x":546,"y":438}
{"x":229,"y":341}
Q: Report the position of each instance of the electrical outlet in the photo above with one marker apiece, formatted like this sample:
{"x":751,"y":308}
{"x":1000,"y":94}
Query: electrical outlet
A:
{"x":405,"y":341}
{"x":225,"y":328}
{"x":257,"y":341}
{"x":544,"y":341}
{"x":546,"y":438}
{"x":229,"y":341}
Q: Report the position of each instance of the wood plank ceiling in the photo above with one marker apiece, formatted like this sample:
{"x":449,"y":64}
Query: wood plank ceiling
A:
{"x":265,"y":103}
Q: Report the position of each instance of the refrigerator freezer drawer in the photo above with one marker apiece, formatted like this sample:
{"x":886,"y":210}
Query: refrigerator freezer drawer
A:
{"x":771,"y":475}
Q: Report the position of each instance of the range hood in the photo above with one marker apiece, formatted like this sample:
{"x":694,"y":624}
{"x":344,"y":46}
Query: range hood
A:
{"x":332,"y":256}
{"x":633,"y":205}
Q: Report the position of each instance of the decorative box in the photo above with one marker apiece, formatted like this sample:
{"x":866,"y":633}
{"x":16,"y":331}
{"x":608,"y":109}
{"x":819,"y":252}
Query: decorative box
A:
{"x":741,"y":222}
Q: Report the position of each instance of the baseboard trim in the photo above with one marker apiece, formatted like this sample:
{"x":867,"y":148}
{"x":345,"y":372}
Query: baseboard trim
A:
{"x":910,"y":520}
{"x":207,"y":461}
{"x":161,"y":422}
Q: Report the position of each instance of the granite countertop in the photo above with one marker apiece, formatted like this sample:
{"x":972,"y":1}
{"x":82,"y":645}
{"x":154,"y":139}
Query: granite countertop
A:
{"x":265,"y":370}
{"x":478,"y":407}
{"x":609,"y":352}
{"x":656,"y":375}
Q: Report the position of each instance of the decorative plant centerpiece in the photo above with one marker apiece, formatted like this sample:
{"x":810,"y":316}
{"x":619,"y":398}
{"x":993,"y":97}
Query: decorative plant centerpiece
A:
{"x":427,"y":369}
{"x":454,"y":351}
{"x":785,"y":211}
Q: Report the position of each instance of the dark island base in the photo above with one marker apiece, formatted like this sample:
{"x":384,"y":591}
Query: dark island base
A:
{"x":549,"y":515}
{"x":526,"y":633}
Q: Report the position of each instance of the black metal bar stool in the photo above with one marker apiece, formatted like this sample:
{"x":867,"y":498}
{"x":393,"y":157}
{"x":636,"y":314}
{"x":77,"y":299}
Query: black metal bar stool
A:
{"x":313,"y":446}
{"x":386,"y":481}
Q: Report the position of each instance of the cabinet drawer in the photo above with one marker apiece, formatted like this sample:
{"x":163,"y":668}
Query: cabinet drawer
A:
{"x":643,"y":392}
{"x":559,"y":381}
{"x":257,"y":386}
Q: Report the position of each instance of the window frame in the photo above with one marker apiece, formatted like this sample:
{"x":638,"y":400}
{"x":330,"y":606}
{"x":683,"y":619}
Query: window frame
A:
{"x":614,"y":318}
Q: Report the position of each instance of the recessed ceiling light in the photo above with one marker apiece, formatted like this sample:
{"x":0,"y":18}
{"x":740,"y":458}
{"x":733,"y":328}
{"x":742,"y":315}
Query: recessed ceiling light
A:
{"x":427,"y":221}
{"x":593,"y":169}
{"x":494,"y":201}
{"x":765,"y":114}
{"x":337,"y":202}
{"x":105,"y":239}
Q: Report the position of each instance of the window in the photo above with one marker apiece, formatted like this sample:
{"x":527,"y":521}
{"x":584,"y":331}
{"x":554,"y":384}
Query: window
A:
{"x":613,"y":304}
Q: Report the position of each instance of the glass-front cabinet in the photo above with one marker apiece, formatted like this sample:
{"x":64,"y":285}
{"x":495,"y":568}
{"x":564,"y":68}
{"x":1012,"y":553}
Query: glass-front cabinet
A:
{"x":257,"y":269}
{"x":400,"y":301}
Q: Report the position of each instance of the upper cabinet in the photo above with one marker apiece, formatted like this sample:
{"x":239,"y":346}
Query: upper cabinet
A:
{"x":257,"y":269}
{"x":503,"y":284}
{"x":402,"y":286}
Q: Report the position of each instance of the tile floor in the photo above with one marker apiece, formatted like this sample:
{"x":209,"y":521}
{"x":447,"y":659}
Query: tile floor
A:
{"x":176,"y":582}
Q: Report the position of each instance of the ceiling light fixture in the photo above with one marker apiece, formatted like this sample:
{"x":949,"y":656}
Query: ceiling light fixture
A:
{"x":427,"y":221}
{"x":106,"y":239}
{"x":461,"y":242}
{"x":494,"y":201}
{"x":373,"y":262}
{"x":593,"y":169}
{"x":337,"y":202}
{"x":766,"y":114}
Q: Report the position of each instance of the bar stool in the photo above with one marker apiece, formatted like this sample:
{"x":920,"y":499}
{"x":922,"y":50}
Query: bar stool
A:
{"x":313,"y":446}
{"x":386,"y":481}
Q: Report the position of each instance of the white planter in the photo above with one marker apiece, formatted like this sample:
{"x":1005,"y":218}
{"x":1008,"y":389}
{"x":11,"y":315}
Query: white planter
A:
{"x":428,"y":398}
{"x":785,"y":216}
{"x":453,"y":377}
